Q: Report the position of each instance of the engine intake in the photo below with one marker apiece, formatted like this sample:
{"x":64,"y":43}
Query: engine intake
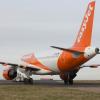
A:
{"x":9,"y":74}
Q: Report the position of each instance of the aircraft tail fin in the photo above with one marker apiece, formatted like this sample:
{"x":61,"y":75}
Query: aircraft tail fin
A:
{"x":84,"y":36}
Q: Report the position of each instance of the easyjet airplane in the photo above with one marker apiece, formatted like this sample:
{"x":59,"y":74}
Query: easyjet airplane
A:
{"x":66,"y":64}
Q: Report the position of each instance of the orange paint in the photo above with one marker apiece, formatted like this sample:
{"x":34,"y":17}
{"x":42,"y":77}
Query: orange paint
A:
{"x":31,"y":59}
{"x":5,"y":74}
{"x":67,"y":62}
{"x":84,"y":36}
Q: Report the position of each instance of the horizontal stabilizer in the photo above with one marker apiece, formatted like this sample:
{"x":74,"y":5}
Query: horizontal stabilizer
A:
{"x":68,"y":50}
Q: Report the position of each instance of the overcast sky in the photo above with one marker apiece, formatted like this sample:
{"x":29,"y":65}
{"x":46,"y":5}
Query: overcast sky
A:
{"x":33,"y":25}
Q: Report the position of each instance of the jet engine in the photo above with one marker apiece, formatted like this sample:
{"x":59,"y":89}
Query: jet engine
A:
{"x":10,"y":74}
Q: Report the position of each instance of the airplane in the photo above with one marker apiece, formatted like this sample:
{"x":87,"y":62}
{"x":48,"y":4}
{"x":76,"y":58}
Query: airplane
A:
{"x":66,"y":63}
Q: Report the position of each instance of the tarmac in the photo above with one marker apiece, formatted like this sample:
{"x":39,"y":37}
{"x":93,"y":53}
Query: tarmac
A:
{"x":84,"y":85}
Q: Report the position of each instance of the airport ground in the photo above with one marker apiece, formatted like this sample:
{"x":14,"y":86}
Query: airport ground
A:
{"x":50,"y":90}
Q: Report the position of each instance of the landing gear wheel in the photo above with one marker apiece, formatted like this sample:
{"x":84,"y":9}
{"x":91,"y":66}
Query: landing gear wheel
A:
{"x":65,"y":82}
{"x":68,"y":82}
{"x":71,"y":82}
{"x":28,"y":81}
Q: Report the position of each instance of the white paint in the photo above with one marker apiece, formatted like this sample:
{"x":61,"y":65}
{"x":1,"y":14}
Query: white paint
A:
{"x":89,"y":52}
{"x":51,"y":62}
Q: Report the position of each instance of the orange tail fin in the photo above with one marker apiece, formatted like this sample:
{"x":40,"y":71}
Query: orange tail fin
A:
{"x":84,"y":36}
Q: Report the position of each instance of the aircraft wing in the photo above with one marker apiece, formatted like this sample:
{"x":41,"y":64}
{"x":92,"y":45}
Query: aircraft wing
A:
{"x":91,"y":66}
{"x":24,"y":66}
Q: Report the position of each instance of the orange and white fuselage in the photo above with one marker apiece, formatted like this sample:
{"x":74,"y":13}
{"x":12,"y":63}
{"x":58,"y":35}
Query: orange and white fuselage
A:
{"x":59,"y":62}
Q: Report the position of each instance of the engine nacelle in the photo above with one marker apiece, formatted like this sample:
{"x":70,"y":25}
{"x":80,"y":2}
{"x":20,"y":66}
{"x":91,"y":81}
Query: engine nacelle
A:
{"x":90,"y":52}
{"x":10,"y":74}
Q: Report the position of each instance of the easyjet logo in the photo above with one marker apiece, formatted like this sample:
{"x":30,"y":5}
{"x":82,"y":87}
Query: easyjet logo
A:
{"x":85,"y":21}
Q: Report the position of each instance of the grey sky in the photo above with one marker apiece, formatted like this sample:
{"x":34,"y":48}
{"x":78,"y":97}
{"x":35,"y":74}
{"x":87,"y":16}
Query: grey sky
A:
{"x":34,"y":25}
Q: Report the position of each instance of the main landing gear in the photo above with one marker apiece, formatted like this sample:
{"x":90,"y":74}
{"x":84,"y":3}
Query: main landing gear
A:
{"x":68,"y":77}
{"x":28,"y":81}
{"x":68,"y":82}
{"x":24,"y":76}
